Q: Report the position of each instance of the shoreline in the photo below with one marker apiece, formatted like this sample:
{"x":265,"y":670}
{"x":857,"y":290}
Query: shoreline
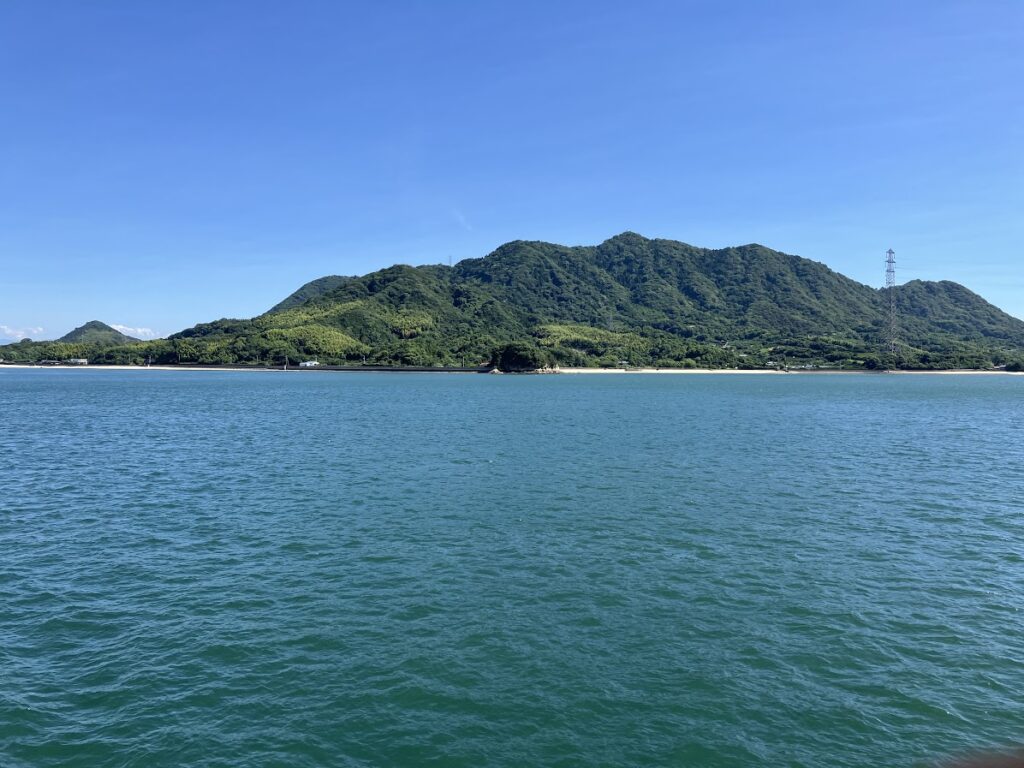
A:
{"x":569,"y":371}
{"x":245,"y":369}
{"x":773,"y":372}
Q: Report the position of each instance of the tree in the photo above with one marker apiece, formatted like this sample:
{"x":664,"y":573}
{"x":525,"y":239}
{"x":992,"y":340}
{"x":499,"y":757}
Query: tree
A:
{"x":185,"y":350}
{"x":519,"y":356}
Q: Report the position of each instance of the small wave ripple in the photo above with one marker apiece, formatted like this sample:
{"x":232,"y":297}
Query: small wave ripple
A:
{"x":230,"y":569}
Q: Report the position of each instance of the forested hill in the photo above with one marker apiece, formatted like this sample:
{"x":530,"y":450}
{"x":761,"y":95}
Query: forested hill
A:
{"x":97,"y":333}
{"x":646,"y":302}
{"x":311,"y":290}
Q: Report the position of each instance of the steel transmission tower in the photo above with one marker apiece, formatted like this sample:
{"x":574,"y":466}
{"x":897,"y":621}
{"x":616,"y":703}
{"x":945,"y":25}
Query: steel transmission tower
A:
{"x":890,"y":285}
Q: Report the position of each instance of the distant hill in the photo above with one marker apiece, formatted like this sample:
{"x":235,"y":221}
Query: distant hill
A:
{"x":95,"y":332}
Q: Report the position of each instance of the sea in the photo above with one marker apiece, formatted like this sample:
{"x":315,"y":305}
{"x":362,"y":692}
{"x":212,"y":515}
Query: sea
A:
{"x":370,"y":569}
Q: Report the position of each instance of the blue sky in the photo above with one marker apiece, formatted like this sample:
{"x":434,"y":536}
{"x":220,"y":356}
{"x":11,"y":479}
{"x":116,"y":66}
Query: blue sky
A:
{"x":170,"y":163}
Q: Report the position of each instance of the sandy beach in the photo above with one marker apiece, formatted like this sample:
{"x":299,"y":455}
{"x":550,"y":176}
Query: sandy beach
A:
{"x":773,"y":372}
{"x":571,"y":371}
{"x":674,"y":371}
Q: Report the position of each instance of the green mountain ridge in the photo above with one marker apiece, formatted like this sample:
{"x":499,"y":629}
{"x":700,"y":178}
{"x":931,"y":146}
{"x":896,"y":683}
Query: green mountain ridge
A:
{"x":311,"y":290}
{"x":630,"y":298}
{"x":643,"y":301}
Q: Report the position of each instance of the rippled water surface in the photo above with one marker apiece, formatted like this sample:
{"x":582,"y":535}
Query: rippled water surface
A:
{"x":315,"y":569}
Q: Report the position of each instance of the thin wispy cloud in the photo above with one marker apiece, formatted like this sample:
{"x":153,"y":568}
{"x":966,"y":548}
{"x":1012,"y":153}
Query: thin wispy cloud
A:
{"x":17,"y":334}
{"x":138,"y":333}
{"x":461,"y":220}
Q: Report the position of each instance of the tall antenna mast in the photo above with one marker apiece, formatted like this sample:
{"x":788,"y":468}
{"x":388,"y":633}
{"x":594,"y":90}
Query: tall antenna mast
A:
{"x":890,"y":286}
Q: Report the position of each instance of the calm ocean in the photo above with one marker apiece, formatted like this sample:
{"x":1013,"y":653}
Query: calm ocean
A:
{"x":316,"y":569}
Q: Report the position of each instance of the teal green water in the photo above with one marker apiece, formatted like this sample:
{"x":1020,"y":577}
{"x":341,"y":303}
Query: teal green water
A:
{"x":269,"y":569}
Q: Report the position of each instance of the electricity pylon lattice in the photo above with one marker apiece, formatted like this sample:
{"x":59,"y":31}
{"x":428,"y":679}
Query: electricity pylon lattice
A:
{"x":892,"y":340}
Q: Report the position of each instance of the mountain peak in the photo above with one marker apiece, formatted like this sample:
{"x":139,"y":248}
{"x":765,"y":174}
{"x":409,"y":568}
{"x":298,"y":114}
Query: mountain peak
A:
{"x":627,"y":238}
{"x":96,"y":332}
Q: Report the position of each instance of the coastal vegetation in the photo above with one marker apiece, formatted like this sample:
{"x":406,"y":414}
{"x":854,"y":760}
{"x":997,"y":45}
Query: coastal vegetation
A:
{"x":630,"y":300}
